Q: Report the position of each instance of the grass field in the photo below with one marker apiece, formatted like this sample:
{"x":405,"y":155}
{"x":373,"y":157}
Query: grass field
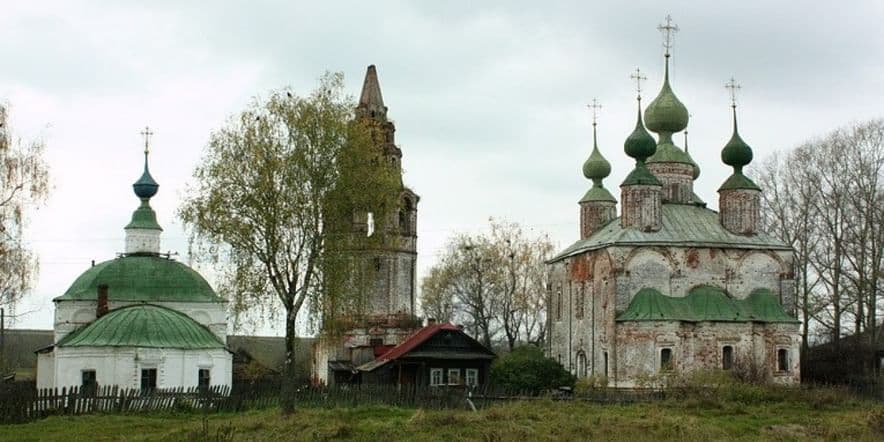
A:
{"x":814,"y":418}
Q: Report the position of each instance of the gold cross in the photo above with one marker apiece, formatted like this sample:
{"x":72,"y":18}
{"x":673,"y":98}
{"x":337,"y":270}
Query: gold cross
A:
{"x":668,"y":30}
{"x":638,"y":77}
{"x":146,"y":133}
{"x":734,"y":88}
{"x":595,"y":106}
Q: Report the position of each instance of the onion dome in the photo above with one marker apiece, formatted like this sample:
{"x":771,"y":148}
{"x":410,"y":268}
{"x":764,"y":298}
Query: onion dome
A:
{"x":737,"y":154}
{"x":666,"y":114}
{"x":145,"y":187}
{"x":596,"y":168}
{"x":640,"y":145}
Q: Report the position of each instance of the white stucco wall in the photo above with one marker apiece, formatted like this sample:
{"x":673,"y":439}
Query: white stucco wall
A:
{"x":122,"y":366}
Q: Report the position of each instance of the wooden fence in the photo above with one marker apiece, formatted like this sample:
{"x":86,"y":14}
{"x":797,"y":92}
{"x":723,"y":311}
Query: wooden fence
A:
{"x":22,"y":403}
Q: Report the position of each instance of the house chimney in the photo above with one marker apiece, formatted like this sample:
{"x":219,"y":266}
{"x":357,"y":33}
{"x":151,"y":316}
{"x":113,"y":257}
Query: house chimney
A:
{"x":101,"y":309}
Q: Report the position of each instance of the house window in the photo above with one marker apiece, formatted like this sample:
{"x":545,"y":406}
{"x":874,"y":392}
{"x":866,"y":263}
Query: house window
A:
{"x":435,"y":376}
{"x":204,"y":378}
{"x":148,"y":378}
{"x":453,"y":376}
{"x":666,"y":359}
{"x":472,"y":377}
{"x":727,"y":357}
{"x":783,"y":360}
{"x":376,"y":342}
{"x":89,"y":383}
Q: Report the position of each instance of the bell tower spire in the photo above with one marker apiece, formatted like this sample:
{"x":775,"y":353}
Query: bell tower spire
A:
{"x":597,"y":206}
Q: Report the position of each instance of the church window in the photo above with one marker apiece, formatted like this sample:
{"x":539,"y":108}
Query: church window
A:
{"x":783,"y":360}
{"x":148,"y":378}
{"x":472,"y":377}
{"x":581,"y":302}
{"x":606,"y":364}
{"x":727,"y":357}
{"x":204,"y":378}
{"x":435,"y":376}
{"x":581,"y":364}
{"x":403,"y":221}
{"x":89,"y":382}
{"x":559,"y":304}
{"x":666,"y":359}
{"x":453,"y":376}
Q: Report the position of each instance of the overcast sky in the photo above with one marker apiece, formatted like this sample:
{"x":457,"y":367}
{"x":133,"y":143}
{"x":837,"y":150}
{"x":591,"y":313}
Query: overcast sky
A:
{"x":489,"y":102}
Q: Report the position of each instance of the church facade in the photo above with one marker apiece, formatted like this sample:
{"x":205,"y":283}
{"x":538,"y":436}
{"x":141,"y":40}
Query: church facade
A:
{"x":388,"y":317}
{"x":670,"y":286}
{"x":141,"y":320}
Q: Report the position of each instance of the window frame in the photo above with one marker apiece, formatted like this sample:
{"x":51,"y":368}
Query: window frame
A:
{"x":668,"y":364}
{"x":91,"y":387}
{"x":727,"y":358}
{"x":454,"y":380}
{"x":783,"y":360}
{"x":155,"y":376}
{"x":474,"y":373}
{"x":208,"y":377}
{"x":433,"y":372}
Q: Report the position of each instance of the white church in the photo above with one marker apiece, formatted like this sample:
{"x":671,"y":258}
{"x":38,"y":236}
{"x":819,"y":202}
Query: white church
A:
{"x":140,"y":320}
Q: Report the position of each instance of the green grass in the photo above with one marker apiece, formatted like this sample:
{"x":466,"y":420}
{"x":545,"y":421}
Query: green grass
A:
{"x":685,"y":420}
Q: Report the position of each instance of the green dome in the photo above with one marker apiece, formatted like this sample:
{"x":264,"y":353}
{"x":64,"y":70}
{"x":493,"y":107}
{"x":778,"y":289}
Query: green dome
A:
{"x":640,"y":144}
{"x":666,"y":114}
{"x":144,"y":278}
{"x":736,"y":152}
{"x":596,"y":166}
{"x":143,"y":326}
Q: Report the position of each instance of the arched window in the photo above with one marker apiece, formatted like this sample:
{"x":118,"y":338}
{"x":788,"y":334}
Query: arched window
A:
{"x":666,"y":359}
{"x":783,"y":360}
{"x":581,"y":364}
{"x":727,"y":357}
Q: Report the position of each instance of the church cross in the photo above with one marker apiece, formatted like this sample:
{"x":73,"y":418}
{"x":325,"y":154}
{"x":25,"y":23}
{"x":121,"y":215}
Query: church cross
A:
{"x":146,"y":133}
{"x":734,"y":88}
{"x":668,"y":30}
{"x":638,"y":77}
{"x":595,"y":106}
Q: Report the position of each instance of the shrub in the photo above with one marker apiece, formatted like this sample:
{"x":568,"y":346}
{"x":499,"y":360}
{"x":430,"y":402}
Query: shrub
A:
{"x":527,"y":369}
{"x":590,"y":383}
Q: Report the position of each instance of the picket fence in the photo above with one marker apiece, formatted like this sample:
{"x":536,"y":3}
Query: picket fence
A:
{"x":24,"y":403}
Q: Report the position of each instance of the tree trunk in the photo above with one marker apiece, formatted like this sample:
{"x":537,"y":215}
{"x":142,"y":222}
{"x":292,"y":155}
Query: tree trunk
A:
{"x":289,"y":378}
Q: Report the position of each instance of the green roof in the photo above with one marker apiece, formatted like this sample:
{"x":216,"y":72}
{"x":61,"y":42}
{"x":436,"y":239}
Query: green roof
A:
{"x":684,"y":225}
{"x":641,"y":176}
{"x":144,"y":218}
{"x":145,"y":278}
{"x":738,"y":181}
{"x":143,"y":326}
{"x":670,"y":153}
{"x":598,"y":193}
{"x":705,"y":304}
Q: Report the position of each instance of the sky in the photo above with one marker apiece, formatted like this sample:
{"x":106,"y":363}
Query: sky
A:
{"x":489,"y":99}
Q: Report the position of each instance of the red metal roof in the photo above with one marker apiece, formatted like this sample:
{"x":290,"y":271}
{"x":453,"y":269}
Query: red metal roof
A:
{"x":417,"y":338}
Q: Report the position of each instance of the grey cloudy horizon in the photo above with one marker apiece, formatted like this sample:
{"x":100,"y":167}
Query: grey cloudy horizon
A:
{"x":489,"y":99}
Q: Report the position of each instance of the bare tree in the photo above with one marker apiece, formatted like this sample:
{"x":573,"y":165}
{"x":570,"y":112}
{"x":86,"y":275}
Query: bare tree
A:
{"x":24,"y":184}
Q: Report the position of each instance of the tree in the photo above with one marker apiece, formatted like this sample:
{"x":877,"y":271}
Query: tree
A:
{"x":527,"y":369}
{"x":494,"y":283}
{"x":276,"y":195}
{"x":24,"y":184}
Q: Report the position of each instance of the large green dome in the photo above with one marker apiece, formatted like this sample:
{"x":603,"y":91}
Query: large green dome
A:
{"x":144,"y":278}
{"x":143,"y":326}
{"x":666,"y":114}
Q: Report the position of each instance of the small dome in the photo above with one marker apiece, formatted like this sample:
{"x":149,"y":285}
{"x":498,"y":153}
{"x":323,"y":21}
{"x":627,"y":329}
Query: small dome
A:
{"x":666,"y":114}
{"x":142,"y":278}
{"x":596,"y":166}
{"x":640,"y":144}
{"x":143,"y":325}
{"x":145,"y":187}
{"x":736,"y":152}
